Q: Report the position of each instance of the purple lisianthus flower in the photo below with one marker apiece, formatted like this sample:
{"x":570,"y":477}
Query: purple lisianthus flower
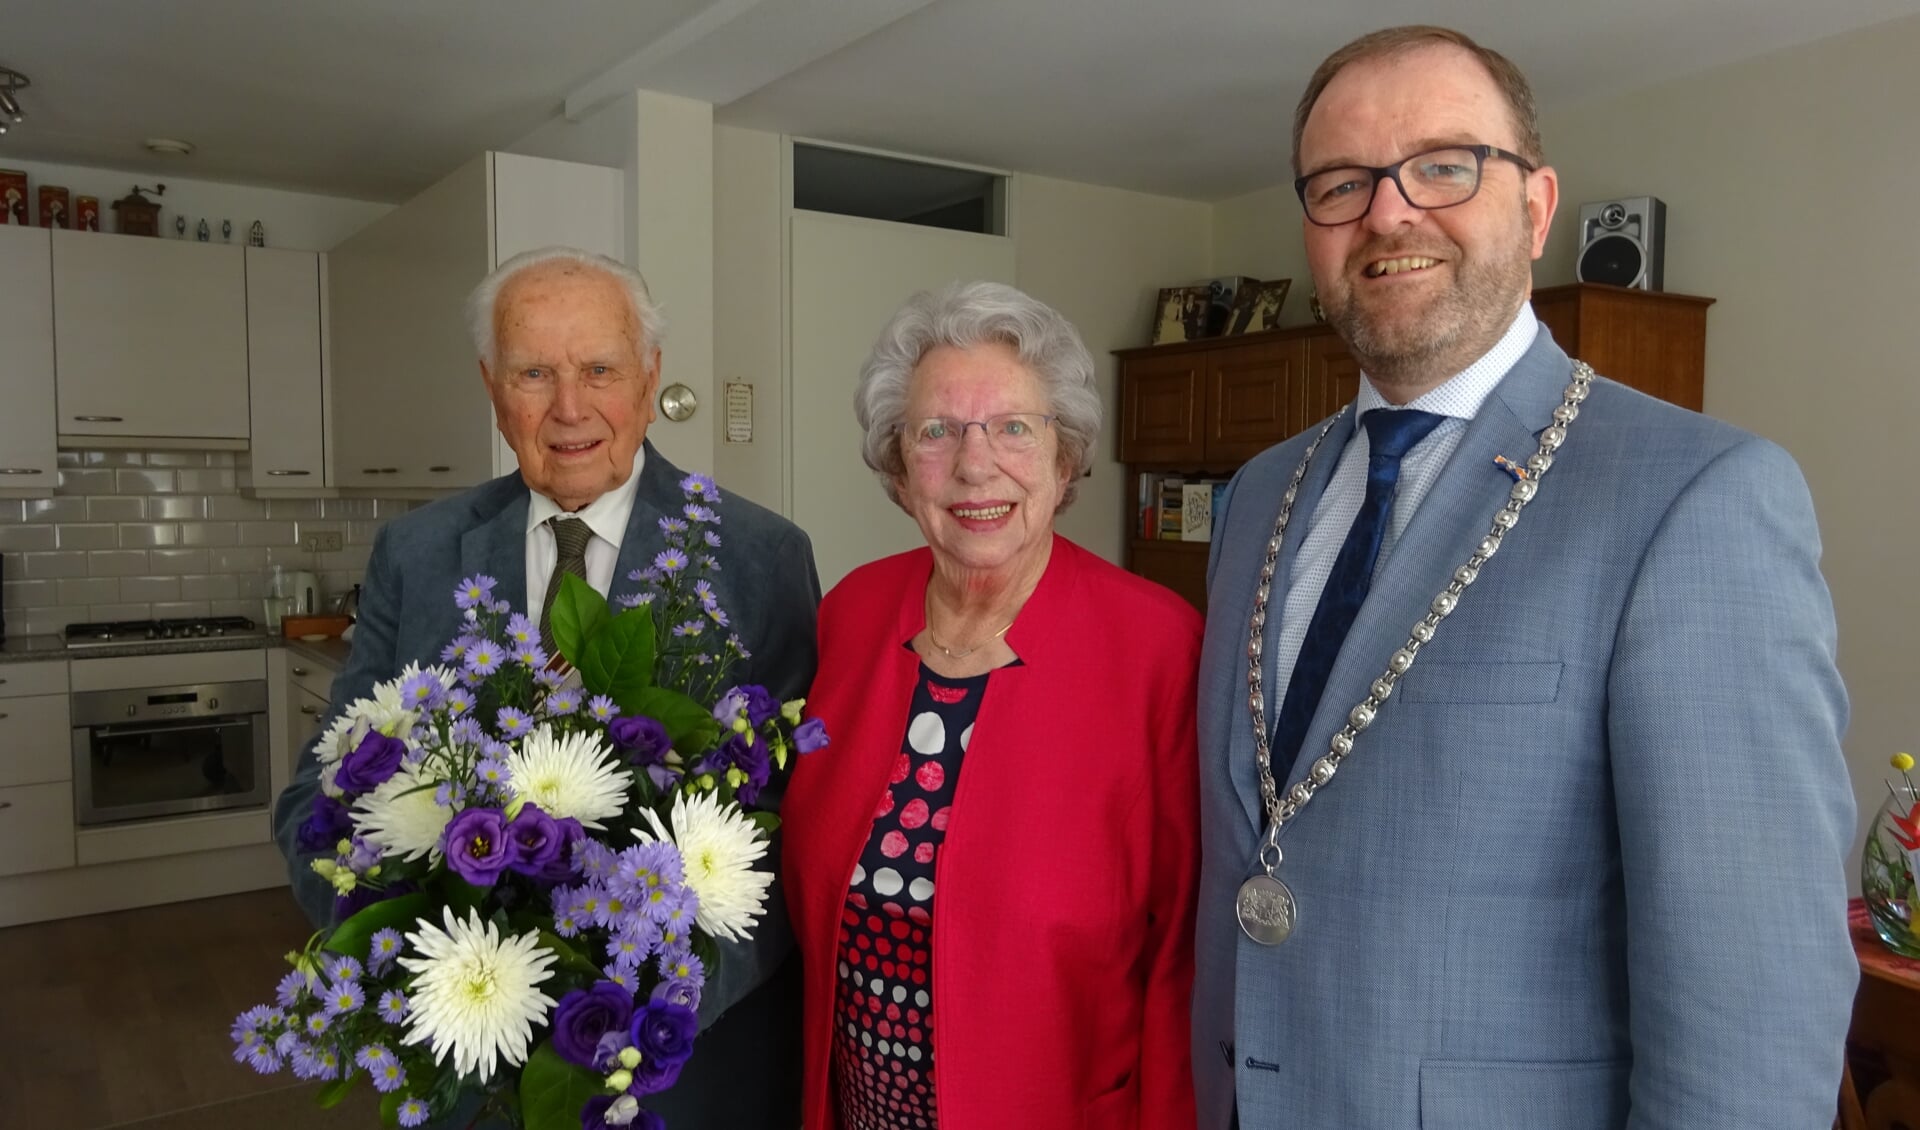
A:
{"x":670,"y":561}
{"x":478,"y":847}
{"x":810,"y":735}
{"x":761,"y":705}
{"x":585,"y":1015}
{"x":474,"y":592}
{"x":751,"y":756}
{"x":513,"y":722}
{"x":663,"y":1031}
{"x":375,"y":759}
{"x":683,"y":991}
{"x":570,"y":835}
{"x":645,"y":739}
{"x":664,"y":777}
{"x":731,"y":706}
{"x":326,"y":825}
{"x":537,"y":841}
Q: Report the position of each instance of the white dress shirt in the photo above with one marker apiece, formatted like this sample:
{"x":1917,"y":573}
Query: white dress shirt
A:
{"x":1458,"y":400}
{"x":606,"y":516}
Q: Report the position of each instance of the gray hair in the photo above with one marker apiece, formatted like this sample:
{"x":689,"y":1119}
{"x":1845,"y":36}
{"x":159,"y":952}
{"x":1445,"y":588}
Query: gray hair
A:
{"x":481,"y":302}
{"x":965,"y":315}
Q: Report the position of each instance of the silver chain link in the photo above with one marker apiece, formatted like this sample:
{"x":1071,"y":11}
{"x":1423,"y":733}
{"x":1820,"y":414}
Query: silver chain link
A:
{"x":1282,"y":809}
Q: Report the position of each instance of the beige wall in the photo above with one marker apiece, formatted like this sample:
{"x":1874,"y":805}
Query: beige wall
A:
{"x":1100,"y":257}
{"x":1791,"y":183}
{"x":749,"y":287}
{"x":1259,"y":235}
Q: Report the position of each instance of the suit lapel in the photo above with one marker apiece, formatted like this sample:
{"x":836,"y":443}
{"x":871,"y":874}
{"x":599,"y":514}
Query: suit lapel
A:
{"x":497,"y":547}
{"x":657,"y":496}
{"x":1453,"y":518}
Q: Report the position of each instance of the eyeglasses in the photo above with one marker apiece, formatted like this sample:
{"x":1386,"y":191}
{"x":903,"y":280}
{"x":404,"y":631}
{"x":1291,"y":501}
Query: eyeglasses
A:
{"x":1009,"y":433}
{"x":1438,"y":178}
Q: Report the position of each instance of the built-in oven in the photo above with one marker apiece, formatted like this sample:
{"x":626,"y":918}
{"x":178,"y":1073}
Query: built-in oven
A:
{"x":165,"y":751}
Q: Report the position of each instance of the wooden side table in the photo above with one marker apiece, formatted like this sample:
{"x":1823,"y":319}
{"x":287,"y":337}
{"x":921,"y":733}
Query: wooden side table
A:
{"x":1883,"y":1047}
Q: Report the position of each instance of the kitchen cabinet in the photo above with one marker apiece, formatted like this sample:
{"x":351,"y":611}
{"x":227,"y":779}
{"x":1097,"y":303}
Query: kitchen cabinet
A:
{"x":151,"y":337}
{"x":27,"y":427}
{"x":286,"y":343}
{"x":36,"y":769}
{"x":298,"y":690}
{"x":409,"y":410}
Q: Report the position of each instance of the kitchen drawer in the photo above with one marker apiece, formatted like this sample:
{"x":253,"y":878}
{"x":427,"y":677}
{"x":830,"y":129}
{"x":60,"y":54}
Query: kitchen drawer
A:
{"x":312,"y":711}
{"x":18,"y":679}
{"x":36,"y":740}
{"x":36,"y":828}
{"x":314,"y":678}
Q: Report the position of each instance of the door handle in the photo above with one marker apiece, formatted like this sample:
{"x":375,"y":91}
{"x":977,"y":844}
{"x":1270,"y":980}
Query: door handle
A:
{"x":21,"y":471}
{"x":101,"y":419}
{"x":309,"y":709}
{"x":289,"y":472}
{"x":298,"y":670}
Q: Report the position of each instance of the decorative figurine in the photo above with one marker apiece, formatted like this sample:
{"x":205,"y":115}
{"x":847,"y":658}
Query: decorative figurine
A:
{"x":256,"y":235}
{"x":202,"y":233}
{"x":180,"y":227}
{"x":226,"y":231}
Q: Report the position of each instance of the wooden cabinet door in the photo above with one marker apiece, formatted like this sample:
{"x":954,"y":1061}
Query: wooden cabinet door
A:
{"x":283,"y":370}
{"x":1163,"y":400}
{"x":27,"y":429}
{"x":1249,"y":389}
{"x":150,"y":336}
{"x":1332,"y":380}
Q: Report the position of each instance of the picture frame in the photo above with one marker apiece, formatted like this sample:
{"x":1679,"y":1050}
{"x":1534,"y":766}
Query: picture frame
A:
{"x":1256,"y":308}
{"x":1180,"y":314}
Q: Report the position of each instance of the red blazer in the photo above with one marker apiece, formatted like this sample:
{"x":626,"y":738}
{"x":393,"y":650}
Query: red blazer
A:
{"x":1063,"y":923}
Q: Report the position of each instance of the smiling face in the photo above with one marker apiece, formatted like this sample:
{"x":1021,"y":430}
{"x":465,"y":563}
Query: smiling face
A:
{"x":1420,"y":294}
{"x":572,"y":383}
{"x":983,"y":512}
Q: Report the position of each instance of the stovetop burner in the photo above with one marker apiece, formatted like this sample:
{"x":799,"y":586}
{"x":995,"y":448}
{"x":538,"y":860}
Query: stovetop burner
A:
{"x":140,"y":631}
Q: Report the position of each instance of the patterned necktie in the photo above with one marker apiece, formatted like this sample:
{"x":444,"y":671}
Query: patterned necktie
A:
{"x":1390,"y":435}
{"x":572,"y":536}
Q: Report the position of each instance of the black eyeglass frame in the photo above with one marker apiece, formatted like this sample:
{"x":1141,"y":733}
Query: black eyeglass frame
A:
{"x":1481,"y":153}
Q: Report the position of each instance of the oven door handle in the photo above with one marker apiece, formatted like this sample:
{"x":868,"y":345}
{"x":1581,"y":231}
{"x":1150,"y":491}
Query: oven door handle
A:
{"x":210,"y":724}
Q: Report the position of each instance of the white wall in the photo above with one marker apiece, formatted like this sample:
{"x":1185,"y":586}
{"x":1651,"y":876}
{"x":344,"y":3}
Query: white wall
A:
{"x":749,"y":288}
{"x":303,"y":221}
{"x":1258,"y":235}
{"x":1791,"y":182}
{"x":1100,"y":256}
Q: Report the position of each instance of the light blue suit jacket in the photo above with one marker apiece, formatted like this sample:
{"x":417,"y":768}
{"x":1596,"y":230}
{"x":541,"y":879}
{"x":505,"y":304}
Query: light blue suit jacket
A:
{"x":1585,"y":870}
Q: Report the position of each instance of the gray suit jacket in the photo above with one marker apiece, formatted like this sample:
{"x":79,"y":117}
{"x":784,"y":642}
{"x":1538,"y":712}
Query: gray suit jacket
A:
{"x":1585,"y":870}
{"x":769,"y":588}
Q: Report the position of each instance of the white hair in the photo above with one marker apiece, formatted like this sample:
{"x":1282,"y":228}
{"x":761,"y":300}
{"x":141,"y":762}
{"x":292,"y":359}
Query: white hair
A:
{"x":482,"y":301}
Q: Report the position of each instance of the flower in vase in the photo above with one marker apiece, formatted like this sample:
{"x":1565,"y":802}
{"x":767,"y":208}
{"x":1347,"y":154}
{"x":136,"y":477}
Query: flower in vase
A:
{"x":719,"y":846}
{"x":476,"y":994}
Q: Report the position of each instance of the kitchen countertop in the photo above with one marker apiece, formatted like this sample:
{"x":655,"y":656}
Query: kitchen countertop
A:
{"x":34,"y":649}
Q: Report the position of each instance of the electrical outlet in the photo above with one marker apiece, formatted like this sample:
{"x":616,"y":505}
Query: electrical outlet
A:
{"x":320,"y":541}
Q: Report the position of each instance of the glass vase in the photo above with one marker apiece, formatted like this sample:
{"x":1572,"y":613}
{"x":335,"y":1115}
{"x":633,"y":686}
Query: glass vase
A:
{"x":1887,"y":870}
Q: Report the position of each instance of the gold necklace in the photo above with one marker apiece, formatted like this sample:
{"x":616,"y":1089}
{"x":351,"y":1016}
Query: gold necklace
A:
{"x":965,"y":651}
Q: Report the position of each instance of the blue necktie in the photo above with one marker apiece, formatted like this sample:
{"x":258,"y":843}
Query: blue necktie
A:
{"x":1390,"y":435}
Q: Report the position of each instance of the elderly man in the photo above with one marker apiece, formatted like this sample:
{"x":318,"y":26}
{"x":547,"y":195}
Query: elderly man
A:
{"x":570,"y":353}
{"x":1523,"y":797}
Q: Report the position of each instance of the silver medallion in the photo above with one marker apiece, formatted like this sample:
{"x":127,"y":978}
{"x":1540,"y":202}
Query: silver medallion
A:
{"x":1265,"y":908}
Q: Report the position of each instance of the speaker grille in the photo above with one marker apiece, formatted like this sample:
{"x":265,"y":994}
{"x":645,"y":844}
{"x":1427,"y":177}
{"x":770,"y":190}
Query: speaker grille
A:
{"x":1617,"y":260}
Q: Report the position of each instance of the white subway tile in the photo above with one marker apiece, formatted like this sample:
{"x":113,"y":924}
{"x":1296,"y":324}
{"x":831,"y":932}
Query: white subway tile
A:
{"x":175,"y":459}
{"x":209,"y":533}
{"x":236,"y":561}
{"x":90,"y":480}
{"x":89,"y":590}
{"x":149,"y":588}
{"x":143,"y":535}
{"x":28,"y":594}
{"x":144,"y":482}
{"x":123,"y":611}
{"x":293,"y":508}
{"x":82,"y":535}
{"x":116,"y":508}
{"x":205,"y":481}
{"x":231,"y":506}
{"x":62,"y":563}
{"x":179,"y":561}
{"x":22,"y":539}
{"x":69,"y":508}
{"x":176,"y":609}
{"x":266,"y":533}
{"x":118,"y":562}
{"x":209,"y":586}
{"x":175,"y":506}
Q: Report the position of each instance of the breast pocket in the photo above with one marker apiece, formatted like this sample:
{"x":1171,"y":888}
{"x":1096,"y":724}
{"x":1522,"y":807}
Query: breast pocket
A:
{"x":1509,"y":683}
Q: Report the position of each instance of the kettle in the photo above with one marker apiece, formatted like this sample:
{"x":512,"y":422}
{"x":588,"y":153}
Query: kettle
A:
{"x":348,"y":603}
{"x":301,"y":590}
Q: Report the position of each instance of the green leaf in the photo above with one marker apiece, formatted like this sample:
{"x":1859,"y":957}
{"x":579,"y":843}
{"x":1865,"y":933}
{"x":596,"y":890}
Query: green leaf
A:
{"x":552,"y":1091}
{"x":578,"y":615}
{"x":355,"y":936}
{"x":570,"y":960}
{"x":390,"y":1107}
{"x":331,"y":1094}
{"x":766,"y":821}
{"x":461,"y":895}
{"x":690,"y":725}
{"x":618,"y":660}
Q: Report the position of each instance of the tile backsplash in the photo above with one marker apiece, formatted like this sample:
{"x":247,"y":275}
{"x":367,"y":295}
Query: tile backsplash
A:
{"x":132,"y":535}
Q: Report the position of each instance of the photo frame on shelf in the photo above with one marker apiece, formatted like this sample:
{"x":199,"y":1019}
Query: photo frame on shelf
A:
{"x":1222,"y":293}
{"x":1180,"y":314}
{"x":1256,"y":307}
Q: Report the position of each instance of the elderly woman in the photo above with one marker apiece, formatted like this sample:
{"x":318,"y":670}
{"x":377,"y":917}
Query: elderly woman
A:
{"x":991,"y":870}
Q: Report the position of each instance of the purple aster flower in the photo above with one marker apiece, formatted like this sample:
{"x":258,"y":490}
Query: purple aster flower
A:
{"x":697,"y":485}
{"x":499,"y":607}
{"x":704,"y":590}
{"x":683,"y":967}
{"x":292,"y":989}
{"x":316,"y":1024}
{"x":474,"y":592}
{"x":477,"y":845}
{"x":739,"y":648}
{"x":634,"y":599}
{"x":531,"y":655}
{"x":466,"y":731}
{"x":421,"y":691}
{"x":702,"y":514}
{"x":413,"y":1112}
{"x":512,"y":722}
{"x":393,"y":1006}
{"x":601,"y":708}
{"x":375,"y":759}
{"x":719,"y":616}
{"x":343,"y":968}
{"x":484,"y":658}
{"x":671,"y":526}
{"x":384,"y":947}
{"x":810,"y":735}
{"x":449,"y":793}
{"x":453,"y":651}
{"x":595,"y":859}
{"x":548,"y":677}
{"x":670,"y":561}
{"x":645,"y":739}
{"x":564,"y":701}
{"x":689,"y":628}
{"x":522,"y":629}
{"x":459,"y":700}
{"x":327,"y":824}
{"x":287,"y":1042}
{"x":343,"y":997}
{"x":663,"y":1031}
{"x":372,"y":1056}
{"x":710,"y":563}
{"x":263,"y":1059}
{"x":585,"y":1015}
{"x":711,"y":538}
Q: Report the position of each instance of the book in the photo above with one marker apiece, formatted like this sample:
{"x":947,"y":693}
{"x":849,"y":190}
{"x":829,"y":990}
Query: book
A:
{"x":1196,"y":512}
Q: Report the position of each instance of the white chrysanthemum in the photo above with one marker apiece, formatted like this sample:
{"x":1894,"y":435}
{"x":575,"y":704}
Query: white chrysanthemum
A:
{"x":386,"y":710}
{"x":576,"y":775}
{"x":719,"y":846}
{"x":475,"y":993}
{"x":401,"y":816}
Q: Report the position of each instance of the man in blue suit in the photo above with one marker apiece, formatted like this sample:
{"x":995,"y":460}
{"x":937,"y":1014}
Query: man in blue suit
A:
{"x":1542,"y":689}
{"x":569,"y":348}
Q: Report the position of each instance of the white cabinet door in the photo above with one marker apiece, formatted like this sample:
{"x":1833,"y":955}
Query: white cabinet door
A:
{"x":283,"y":370}
{"x":27,"y":426}
{"x":36,"y":828}
{"x":151,"y":338}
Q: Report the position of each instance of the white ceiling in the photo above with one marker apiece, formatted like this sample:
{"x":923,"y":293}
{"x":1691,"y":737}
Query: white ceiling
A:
{"x":376,"y":99}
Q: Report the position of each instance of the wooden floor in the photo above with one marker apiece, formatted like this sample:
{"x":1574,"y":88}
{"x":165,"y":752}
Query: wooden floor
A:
{"x":120,"y":1017}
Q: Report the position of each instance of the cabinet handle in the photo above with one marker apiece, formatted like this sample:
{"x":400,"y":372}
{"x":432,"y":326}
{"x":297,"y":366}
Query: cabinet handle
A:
{"x":5,"y":804}
{"x":101,"y":419}
{"x":309,"y":710}
{"x":389,"y":470}
{"x":289,"y":472}
{"x":4,"y":716}
{"x":298,"y":670}
{"x":439,"y":470}
{"x":21,"y":471}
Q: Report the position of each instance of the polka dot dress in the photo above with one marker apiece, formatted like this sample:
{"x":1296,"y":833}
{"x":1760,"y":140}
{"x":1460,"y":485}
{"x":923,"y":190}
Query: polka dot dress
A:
{"x":883,"y":1007}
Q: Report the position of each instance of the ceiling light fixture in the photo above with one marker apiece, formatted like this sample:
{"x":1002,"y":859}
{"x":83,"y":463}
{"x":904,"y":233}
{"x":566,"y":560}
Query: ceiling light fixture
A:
{"x":11,"y":83}
{"x":168,"y":147}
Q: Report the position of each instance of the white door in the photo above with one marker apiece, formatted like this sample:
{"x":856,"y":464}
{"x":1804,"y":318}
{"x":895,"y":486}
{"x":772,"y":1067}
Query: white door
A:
{"x":26,"y":363}
{"x":283,"y":370}
{"x":848,"y":277}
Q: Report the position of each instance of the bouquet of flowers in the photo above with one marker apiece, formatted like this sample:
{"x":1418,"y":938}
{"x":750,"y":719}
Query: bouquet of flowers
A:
{"x":1890,"y":865}
{"x":533,"y":858}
